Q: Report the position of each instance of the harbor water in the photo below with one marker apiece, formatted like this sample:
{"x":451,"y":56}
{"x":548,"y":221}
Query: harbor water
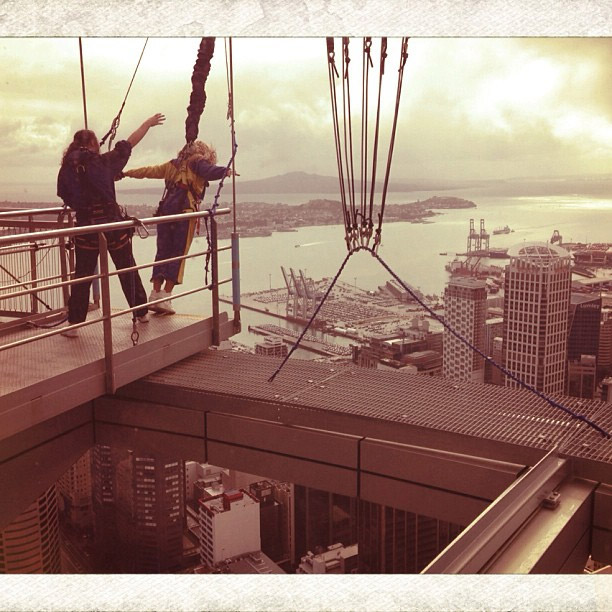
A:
{"x":412,"y":250}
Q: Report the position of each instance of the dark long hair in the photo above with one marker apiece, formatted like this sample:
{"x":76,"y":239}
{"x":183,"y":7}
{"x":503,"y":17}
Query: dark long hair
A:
{"x":81,"y":139}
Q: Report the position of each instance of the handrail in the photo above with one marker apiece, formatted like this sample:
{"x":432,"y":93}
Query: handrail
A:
{"x":81,"y":279}
{"x":30,"y":212}
{"x":102,"y":231}
{"x":115,"y":225}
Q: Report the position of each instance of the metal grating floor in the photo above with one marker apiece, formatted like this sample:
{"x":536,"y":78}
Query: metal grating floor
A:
{"x":25,"y":365}
{"x":483,"y":411}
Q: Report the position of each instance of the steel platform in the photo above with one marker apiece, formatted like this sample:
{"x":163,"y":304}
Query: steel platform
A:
{"x":487,"y":421}
{"x":52,"y":375}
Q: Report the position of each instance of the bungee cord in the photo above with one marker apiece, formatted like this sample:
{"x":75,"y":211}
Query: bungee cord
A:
{"x":115,"y":123}
{"x":358,"y":216}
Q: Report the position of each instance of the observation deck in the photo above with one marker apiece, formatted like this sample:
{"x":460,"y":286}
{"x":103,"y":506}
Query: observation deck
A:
{"x":521,"y":475}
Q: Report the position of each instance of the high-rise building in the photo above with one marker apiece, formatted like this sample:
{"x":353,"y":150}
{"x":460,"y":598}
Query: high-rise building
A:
{"x":269,"y":520}
{"x":583,"y":345}
{"x":536,"y":306}
{"x":394,"y":541}
{"x":494,"y":328}
{"x":30,"y":543}
{"x":229,"y":527}
{"x":104,"y":507}
{"x":75,"y":489}
{"x":584,"y":324}
{"x":322,"y":519}
{"x":465,"y":311}
{"x":604,"y":354}
{"x":606,"y":390}
{"x":284,"y":494}
{"x":493,"y":374}
{"x":149,"y":512}
{"x":582,"y":376}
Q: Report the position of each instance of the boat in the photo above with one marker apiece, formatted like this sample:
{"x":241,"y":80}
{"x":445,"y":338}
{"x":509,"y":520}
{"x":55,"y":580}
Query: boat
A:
{"x":502,"y":230}
{"x":498,"y":253}
{"x":444,"y":253}
{"x":297,"y":245}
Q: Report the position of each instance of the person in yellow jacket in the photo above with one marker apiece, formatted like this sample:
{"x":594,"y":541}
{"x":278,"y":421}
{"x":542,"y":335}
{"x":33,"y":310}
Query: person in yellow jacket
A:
{"x":186,"y":179}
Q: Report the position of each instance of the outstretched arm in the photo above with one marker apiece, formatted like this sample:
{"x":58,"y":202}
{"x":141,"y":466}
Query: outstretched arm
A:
{"x":148,"y":171}
{"x":139,"y":134}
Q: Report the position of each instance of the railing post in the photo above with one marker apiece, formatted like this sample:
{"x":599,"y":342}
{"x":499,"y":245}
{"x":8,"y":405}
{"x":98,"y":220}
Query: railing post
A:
{"x":236,"y":280}
{"x":107,"y":325}
{"x":215,"y":281}
{"x":65,"y":267}
{"x":33,"y":271}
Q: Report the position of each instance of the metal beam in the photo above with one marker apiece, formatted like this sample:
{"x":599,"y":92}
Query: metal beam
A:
{"x":490,"y":531}
{"x":555,"y":540}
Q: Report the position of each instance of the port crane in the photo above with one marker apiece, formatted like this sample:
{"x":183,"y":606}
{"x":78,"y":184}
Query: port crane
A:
{"x":478,"y":242}
{"x":310,"y":295}
{"x":292,"y":302}
{"x":556,"y":237}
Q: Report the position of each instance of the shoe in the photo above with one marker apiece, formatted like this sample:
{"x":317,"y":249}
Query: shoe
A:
{"x":143,"y":318}
{"x":156,"y":295}
{"x":167,"y":305}
{"x":164,"y":307}
{"x":70,"y":332}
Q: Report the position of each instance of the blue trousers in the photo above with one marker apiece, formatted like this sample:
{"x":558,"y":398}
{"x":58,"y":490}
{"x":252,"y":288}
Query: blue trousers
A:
{"x":173,"y":240}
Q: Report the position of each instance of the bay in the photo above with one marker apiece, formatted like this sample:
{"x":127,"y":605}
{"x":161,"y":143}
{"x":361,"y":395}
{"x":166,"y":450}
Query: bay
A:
{"x":411,"y":250}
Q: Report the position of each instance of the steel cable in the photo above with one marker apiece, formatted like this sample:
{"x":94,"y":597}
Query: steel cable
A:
{"x":448,"y":327}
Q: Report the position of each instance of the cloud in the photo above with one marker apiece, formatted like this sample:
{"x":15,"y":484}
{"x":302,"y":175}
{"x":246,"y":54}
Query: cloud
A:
{"x":471,"y":108}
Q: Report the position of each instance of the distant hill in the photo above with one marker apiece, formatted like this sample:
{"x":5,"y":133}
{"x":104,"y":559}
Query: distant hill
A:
{"x":303,"y":182}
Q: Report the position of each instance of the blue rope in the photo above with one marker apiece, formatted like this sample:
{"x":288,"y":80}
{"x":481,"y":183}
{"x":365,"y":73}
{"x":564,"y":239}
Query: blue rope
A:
{"x":525,"y":385}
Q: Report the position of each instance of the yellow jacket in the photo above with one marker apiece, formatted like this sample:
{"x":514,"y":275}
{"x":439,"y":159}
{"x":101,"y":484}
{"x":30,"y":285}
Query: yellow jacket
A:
{"x":191,"y":174}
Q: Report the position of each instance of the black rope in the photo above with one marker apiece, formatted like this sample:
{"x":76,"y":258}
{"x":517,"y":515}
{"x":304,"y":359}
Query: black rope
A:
{"x":383,"y":56}
{"x":83,"y":83}
{"x":348,"y":142}
{"x":400,"y":79}
{"x":366,"y":223}
{"x":215,"y":204}
{"x":333,"y":74}
{"x":115,"y":124}
{"x":414,"y":295}
{"x":316,"y":312}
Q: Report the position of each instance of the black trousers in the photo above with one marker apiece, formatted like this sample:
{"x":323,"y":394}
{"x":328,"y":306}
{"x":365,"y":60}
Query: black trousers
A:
{"x":86,"y":259}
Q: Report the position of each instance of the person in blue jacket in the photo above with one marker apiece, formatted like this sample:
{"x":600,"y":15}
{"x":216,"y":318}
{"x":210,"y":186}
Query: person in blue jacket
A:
{"x":186,"y":178}
{"x":86,"y":183}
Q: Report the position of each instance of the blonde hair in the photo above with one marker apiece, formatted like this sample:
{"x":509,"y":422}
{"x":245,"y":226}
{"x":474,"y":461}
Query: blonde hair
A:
{"x":199,"y":148}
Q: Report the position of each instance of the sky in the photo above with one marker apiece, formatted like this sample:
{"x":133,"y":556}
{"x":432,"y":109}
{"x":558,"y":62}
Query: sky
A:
{"x":471,"y":108}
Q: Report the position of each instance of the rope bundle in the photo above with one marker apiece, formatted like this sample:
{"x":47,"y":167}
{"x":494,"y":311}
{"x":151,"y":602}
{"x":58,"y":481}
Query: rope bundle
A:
{"x":359,"y":216}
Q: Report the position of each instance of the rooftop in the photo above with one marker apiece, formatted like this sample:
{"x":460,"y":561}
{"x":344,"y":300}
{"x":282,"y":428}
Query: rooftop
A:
{"x":537,"y":250}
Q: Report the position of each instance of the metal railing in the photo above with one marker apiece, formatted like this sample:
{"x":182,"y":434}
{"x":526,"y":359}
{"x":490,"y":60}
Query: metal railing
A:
{"x":34,"y":262}
{"x":34,"y":286}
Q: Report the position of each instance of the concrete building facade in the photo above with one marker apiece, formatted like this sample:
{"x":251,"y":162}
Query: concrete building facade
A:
{"x":75,"y":489}
{"x":465,"y":310}
{"x":229,"y":527}
{"x":30,"y":544}
{"x":536,"y":306}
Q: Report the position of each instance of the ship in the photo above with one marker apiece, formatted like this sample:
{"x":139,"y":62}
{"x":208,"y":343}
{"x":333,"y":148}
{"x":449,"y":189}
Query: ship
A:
{"x":502,"y":230}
